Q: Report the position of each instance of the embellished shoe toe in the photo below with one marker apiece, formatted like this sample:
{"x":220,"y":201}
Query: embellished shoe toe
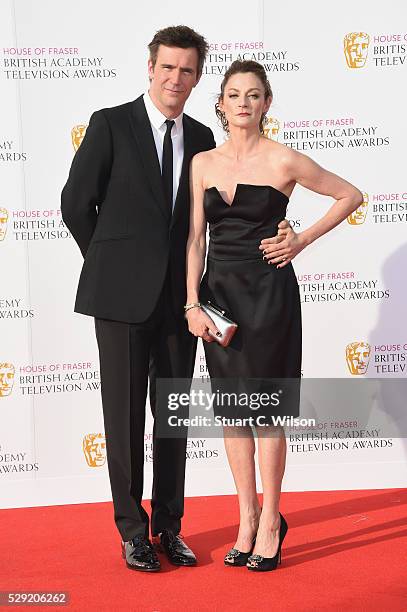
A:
{"x":236,"y":558}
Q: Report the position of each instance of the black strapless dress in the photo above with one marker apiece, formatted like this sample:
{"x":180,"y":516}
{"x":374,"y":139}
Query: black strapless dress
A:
{"x":263,"y":300}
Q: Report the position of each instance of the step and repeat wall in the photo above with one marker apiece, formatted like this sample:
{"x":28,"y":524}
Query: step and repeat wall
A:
{"x":339,"y":82}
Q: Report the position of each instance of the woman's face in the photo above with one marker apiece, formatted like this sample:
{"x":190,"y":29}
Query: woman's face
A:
{"x":243,"y":100}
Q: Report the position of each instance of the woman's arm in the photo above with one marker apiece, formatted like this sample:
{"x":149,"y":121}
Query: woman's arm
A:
{"x":198,"y":321}
{"x":309,"y":174}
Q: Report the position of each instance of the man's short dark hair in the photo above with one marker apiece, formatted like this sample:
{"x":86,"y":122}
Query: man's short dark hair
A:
{"x":179,"y":36}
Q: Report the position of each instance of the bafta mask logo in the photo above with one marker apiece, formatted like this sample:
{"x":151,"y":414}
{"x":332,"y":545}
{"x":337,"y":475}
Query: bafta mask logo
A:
{"x":355,"y":47}
{"x":359,"y":215}
{"x":6,"y":378}
{"x":94,"y":449}
{"x":271,"y":128}
{"x":3,"y":222}
{"x":357,"y":357}
{"x":77,"y":134}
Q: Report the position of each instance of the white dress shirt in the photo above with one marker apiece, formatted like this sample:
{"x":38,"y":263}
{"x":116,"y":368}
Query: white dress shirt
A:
{"x":159,"y":127}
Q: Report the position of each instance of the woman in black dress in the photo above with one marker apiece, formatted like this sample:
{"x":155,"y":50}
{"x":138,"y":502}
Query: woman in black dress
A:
{"x":242,"y":189}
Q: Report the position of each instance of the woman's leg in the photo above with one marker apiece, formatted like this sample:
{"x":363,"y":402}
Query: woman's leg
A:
{"x":272,"y":457}
{"x":240,"y":448}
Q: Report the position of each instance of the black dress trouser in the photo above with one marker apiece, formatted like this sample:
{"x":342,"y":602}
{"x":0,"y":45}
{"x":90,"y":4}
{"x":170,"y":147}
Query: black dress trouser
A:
{"x":161,"y":347}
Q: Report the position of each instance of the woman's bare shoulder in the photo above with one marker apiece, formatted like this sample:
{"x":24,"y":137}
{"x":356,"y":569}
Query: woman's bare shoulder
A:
{"x":210,"y":154}
{"x":205,"y":159}
{"x":200,"y":160}
{"x":281,"y":154}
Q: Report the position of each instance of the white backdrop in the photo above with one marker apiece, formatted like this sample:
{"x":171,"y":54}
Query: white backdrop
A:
{"x":61,"y":61}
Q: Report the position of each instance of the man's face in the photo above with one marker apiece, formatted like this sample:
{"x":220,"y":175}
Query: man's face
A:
{"x":6,"y":379}
{"x":3,"y":223}
{"x":172,"y":78}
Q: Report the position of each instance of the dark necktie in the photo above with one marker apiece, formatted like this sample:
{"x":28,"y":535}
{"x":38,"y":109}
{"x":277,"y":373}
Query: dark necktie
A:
{"x":167,"y":164}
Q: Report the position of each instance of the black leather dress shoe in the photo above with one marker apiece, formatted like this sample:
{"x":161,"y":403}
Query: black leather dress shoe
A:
{"x":140,"y":555}
{"x":176,"y":550}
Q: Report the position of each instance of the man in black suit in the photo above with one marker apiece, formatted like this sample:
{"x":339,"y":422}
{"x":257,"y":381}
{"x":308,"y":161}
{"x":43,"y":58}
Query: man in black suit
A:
{"x":126,"y":203}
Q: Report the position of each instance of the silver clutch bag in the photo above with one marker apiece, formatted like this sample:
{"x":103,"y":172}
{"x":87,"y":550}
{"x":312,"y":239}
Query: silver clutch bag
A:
{"x":226,"y":327}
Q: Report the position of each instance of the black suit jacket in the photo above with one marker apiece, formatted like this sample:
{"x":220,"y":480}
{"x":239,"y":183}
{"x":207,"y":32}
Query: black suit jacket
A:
{"x":114,"y":205}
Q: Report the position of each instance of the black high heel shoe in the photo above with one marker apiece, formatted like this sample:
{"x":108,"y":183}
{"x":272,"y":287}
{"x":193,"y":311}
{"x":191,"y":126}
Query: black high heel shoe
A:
{"x":257,"y":563}
{"x":236,"y":558}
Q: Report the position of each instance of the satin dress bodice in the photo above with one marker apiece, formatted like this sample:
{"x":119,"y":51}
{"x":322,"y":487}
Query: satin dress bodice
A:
{"x":236,"y":229}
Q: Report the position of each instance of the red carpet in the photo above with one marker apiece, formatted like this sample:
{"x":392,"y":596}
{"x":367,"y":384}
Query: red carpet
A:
{"x":344,"y":550}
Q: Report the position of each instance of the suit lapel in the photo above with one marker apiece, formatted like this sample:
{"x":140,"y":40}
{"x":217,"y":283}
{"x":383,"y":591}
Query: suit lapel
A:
{"x":148,"y":153}
{"x":183,"y":187}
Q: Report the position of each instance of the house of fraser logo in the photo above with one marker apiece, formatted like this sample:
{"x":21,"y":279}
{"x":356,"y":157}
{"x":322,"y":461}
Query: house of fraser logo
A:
{"x":382,"y":50}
